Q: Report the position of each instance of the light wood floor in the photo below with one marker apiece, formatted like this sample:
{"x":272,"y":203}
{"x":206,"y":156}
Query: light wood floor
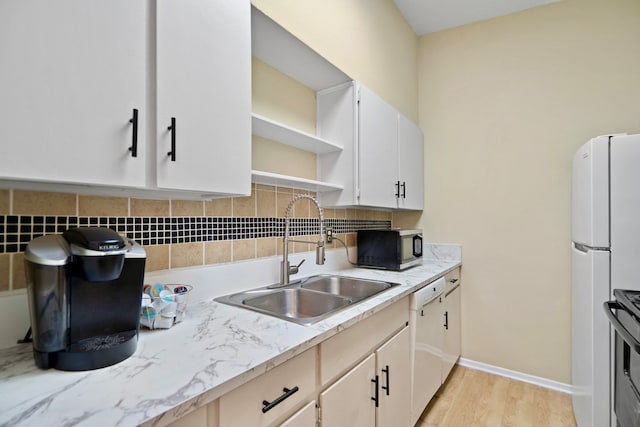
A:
{"x":472,"y":398}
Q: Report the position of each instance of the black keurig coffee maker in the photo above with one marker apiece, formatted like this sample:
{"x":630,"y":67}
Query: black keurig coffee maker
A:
{"x":84,"y":289}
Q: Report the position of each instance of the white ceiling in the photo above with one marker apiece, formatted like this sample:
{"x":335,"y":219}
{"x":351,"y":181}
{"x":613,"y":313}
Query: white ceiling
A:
{"x":428,"y":16}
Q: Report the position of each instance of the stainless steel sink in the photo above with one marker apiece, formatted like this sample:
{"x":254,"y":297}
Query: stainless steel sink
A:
{"x":345,"y":286}
{"x":297,"y":303}
{"x":309,"y":300}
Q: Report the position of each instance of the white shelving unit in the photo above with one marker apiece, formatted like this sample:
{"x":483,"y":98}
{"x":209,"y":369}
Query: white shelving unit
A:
{"x":269,"y":178}
{"x":280,"y":49}
{"x":284,"y":134}
{"x":277,"y":47}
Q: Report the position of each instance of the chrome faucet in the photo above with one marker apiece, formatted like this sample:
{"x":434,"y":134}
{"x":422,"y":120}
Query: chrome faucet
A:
{"x":287,"y":270}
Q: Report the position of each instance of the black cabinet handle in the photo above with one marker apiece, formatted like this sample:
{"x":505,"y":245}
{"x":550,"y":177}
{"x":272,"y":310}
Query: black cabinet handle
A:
{"x":404,"y":189}
{"x":134,"y":133}
{"x":172,"y":129}
{"x":446,"y":320}
{"x":270,"y":405}
{"x":377,"y":394}
{"x":388,"y":386}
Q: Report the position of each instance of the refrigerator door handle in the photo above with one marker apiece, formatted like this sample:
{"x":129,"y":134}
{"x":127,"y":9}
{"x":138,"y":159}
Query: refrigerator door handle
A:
{"x":586,"y":249}
{"x":609,"y":306}
{"x":581,"y":248}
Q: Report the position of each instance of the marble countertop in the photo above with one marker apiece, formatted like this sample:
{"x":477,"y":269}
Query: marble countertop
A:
{"x":215,"y":349}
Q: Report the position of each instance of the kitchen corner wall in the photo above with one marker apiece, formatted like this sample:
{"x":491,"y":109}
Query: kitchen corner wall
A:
{"x":504,"y":104}
{"x":174,"y":233}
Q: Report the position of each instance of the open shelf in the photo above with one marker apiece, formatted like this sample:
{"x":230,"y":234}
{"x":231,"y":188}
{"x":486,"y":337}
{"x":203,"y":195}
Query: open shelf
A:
{"x":277,"y":47}
{"x":287,"y":135}
{"x":269,"y":178}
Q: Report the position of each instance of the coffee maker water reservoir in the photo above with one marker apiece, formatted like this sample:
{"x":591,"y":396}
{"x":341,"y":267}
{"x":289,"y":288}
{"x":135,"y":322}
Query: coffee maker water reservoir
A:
{"x":84,"y":290}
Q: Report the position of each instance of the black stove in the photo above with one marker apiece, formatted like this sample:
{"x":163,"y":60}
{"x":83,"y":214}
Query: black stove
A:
{"x":624,"y":315}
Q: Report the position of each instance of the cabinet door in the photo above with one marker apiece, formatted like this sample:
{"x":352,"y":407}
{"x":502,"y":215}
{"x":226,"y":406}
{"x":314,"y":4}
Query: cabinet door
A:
{"x":305,"y":417}
{"x":72,"y":72}
{"x":348,"y":402}
{"x":410,"y":164}
{"x":377,"y":151}
{"x":393,"y":361}
{"x":204,"y":82}
{"x":452,"y":332}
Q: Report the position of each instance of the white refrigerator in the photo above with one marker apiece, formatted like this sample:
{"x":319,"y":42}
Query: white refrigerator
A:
{"x":605,"y":256}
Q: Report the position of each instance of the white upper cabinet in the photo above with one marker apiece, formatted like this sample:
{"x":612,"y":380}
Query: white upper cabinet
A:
{"x":204,"y":86}
{"x":72,"y":73}
{"x":382,"y":161}
{"x":377,"y":151}
{"x":410,"y":165}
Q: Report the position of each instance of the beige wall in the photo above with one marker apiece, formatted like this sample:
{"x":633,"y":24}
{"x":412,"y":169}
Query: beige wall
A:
{"x":369,"y":40}
{"x":504,"y":104}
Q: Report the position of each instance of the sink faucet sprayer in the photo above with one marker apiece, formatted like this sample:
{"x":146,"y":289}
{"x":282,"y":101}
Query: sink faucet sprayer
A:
{"x":285,"y":269}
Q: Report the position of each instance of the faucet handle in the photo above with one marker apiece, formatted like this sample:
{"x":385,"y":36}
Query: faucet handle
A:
{"x":295,"y":268}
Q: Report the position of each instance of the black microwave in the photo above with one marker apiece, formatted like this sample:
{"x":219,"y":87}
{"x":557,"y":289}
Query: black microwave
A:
{"x":392,"y":249}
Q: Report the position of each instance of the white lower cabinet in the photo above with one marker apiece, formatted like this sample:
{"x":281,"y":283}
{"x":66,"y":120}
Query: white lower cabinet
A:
{"x":452,"y":323}
{"x":350,"y":400}
{"x":305,"y":417}
{"x":393,"y":362}
{"x":273,"y":396}
{"x":377,"y":390}
{"x":374,"y":393}
{"x":359,"y":377}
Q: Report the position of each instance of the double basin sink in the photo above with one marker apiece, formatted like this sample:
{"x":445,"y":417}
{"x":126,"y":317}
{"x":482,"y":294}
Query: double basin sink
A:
{"x":309,"y":300}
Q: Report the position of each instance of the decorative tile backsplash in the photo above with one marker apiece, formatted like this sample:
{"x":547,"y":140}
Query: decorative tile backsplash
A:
{"x":16,"y":231}
{"x":174,"y":233}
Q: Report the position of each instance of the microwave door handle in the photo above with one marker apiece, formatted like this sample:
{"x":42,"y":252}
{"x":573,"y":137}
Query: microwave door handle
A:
{"x":609,"y":306}
{"x":417,"y":246}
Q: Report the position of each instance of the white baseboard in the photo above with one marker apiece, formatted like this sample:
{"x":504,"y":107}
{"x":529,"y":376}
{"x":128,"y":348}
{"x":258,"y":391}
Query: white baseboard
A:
{"x":531,"y":379}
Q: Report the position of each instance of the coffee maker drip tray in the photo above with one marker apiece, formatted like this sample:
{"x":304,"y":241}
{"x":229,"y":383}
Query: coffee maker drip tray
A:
{"x":91,"y":353}
{"x":102,"y":342}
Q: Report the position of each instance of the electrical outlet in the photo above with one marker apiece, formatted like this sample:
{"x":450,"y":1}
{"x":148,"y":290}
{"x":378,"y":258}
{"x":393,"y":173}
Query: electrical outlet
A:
{"x":329,"y":233}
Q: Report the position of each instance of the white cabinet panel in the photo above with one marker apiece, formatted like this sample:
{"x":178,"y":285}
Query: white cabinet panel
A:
{"x":452,"y":332}
{"x":377,"y":151}
{"x":72,"y":72}
{"x":349,"y":402}
{"x":204,"y":82}
{"x":452,"y":322}
{"x":305,"y":417}
{"x":410,"y":165}
{"x":393,"y":361}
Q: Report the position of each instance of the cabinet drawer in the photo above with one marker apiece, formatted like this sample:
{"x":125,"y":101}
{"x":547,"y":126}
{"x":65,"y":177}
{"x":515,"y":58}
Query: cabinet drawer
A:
{"x":243,"y":406}
{"x":340,"y":352}
{"x":452,"y":279}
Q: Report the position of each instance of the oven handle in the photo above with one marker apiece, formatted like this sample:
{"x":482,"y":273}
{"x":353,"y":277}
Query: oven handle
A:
{"x":609,"y":306}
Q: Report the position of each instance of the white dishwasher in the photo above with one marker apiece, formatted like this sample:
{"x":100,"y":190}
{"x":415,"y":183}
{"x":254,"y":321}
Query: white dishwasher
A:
{"x":427,"y":340}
